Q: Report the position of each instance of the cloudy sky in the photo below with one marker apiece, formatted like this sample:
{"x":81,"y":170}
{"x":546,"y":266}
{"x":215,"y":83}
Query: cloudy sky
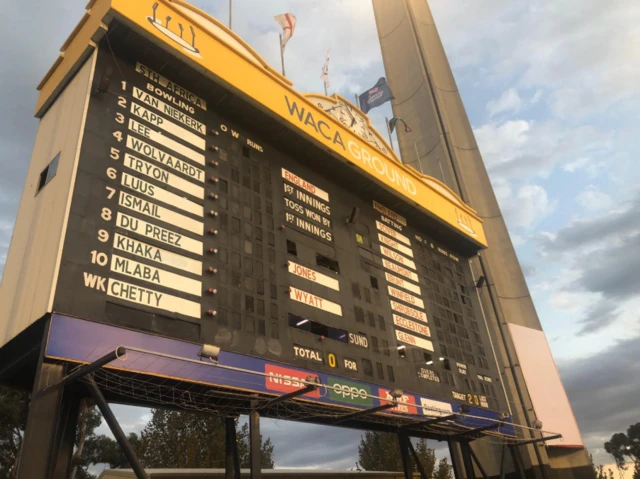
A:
{"x":551,"y":89}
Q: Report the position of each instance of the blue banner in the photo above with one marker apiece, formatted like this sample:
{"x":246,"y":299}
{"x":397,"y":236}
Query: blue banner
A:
{"x":78,"y":340}
{"x":378,"y":95}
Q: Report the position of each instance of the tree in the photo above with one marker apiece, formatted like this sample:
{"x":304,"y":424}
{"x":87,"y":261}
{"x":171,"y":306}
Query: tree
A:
{"x":171,"y":439}
{"x":13,"y":419}
{"x":179,"y":439}
{"x":244,"y":450}
{"x":92,"y":449}
{"x":626,"y":446}
{"x":599,"y":471}
{"x":427,"y":457}
{"x":89,"y":448}
{"x":379,"y":451}
{"x":445,"y":471}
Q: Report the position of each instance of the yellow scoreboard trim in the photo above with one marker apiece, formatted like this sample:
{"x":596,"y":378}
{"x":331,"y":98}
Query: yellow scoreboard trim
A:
{"x":212,"y":48}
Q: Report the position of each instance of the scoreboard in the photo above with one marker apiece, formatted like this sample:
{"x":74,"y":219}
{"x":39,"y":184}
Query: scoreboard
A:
{"x":188,"y":222}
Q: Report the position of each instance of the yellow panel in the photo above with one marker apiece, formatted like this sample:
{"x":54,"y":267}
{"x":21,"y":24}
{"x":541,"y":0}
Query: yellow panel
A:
{"x":260,"y":82}
{"x":74,"y":51}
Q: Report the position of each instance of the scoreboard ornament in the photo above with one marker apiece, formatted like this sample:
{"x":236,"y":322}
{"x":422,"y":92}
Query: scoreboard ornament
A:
{"x":188,"y":47}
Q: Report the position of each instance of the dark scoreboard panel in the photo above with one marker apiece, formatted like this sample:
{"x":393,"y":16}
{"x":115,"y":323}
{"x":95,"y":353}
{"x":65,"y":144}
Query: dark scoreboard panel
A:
{"x":186,"y":224}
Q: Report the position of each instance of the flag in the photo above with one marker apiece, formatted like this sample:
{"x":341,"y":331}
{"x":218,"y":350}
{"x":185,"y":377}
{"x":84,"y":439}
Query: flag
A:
{"x":325,"y":72}
{"x":379,"y":94}
{"x":288,"y":23}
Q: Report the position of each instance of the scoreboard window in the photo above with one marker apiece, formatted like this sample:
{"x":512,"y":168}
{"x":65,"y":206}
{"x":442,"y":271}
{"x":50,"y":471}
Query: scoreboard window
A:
{"x":390,"y":374}
{"x":48,"y":173}
{"x":328,"y":263}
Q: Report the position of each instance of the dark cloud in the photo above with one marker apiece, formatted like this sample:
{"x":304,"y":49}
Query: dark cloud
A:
{"x":603,"y":250}
{"x":310,"y":445}
{"x":603,"y":391}
{"x":585,"y":232}
{"x":319,"y":447}
{"x":599,"y":316}
{"x":530,"y":270}
{"x":613,"y":270}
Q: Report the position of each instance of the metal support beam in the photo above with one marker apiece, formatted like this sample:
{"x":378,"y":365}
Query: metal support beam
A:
{"x":232,"y":459}
{"x":286,"y":397}
{"x":48,"y":440}
{"x":540,"y":439}
{"x":64,"y":443}
{"x":466,"y":458}
{"x":477,"y":461}
{"x":255,"y":443}
{"x":416,"y":459}
{"x":116,"y":430}
{"x":502,"y":458}
{"x":517,"y":464}
{"x":366,"y":412}
{"x":87,"y":368}
{"x":429,"y":422}
{"x":456,"y":456}
{"x":466,"y":435}
{"x":403,"y":442}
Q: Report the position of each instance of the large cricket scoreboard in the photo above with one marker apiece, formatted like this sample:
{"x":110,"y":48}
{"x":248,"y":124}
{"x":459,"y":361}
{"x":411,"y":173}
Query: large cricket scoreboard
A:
{"x":188,"y":222}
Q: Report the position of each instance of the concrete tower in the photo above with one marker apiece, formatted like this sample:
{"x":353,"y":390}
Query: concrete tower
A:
{"x":442,"y":145}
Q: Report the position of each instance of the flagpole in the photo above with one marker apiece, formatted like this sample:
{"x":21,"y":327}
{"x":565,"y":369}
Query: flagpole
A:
{"x":230,"y":13}
{"x":282,"y":55}
{"x":357,"y":101}
{"x":386,"y":121}
{"x":326,"y":93}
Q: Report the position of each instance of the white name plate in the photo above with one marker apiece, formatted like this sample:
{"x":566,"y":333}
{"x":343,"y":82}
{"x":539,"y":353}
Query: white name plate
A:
{"x":305,"y":185}
{"x":163,"y":140}
{"x":166,"y":125}
{"x":400,"y":270}
{"x":158,"y":255}
{"x":315,"y":301}
{"x":148,"y":297}
{"x":168,"y":110}
{"x":414,"y":288}
{"x":144,"y":187}
{"x":311,"y":275}
{"x":411,"y":325}
{"x":152,"y":171}
{"x":160,"y":212}
{"x":395,"y":245}
{"x":158,"y":233}
{"x":151,"y":274}
{"x":156,"y":154}
{"x":408,"y":311}
{"x":414,"y":340}
{"x":393,"y":233}
{"x":391,"y":214}
{"x":397,"y":257}
{"x":406,"y":297}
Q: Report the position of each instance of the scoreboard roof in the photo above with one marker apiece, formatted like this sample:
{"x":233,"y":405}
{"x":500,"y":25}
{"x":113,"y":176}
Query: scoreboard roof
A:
{"x":216,"y":51}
